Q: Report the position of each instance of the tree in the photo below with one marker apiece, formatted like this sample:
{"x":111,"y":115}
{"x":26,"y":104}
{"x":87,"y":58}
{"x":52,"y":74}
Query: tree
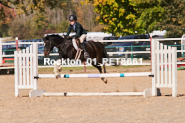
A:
{"x":29,"y":6}
{"x":123,"y":17}
{"x":117,"y":15}
{"x":161,"y":15}
{"x":173,"y":18}
{"x":149,"y":13}
{"x":6,"y":17}
{"x":40,"y":20}
{"x":38,"y":17}
{"x":26,"y":8}
{"x":86,"y":15}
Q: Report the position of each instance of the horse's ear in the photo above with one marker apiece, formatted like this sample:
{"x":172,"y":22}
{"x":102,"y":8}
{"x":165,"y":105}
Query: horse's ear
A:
{"x":45,"y":38}
{"x":65,"y":36}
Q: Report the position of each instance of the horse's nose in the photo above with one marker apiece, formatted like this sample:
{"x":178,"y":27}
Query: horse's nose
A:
{"x":46,"y":53}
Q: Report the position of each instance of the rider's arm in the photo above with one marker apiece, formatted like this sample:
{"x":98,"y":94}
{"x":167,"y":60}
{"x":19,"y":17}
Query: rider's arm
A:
{"x":69,"y":30}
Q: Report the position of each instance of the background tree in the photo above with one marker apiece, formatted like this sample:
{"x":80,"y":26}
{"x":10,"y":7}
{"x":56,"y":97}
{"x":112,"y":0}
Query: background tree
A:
{"x":37,"y":18}
{"x":6,"y":17}
{"x":123,"y":17}
{"x":29,"y":6}
{"x":173,"y":18}
{"x":149,"y":13}
{"x":118,"y":16}
{"x":160,"y":15}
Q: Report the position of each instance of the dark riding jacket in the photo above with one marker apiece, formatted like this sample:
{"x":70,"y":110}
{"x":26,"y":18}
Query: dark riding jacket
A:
{"x":78,"y":29}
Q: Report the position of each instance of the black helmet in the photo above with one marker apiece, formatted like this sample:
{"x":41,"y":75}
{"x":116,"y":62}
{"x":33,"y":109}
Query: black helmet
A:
{"x":72,"y":18}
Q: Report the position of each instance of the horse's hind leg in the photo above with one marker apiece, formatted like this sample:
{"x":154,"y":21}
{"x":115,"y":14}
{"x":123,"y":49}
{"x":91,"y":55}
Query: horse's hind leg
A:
{"x":98,"y":66}
{"x":104,"y":68}
{"x":105,"y":80}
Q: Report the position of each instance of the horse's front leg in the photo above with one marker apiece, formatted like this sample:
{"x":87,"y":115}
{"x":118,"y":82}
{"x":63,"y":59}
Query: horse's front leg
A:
{"x":57,"y":68}
{"x":59,"y":61}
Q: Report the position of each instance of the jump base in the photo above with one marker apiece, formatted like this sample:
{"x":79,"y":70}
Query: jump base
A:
{"x":37,"y":93}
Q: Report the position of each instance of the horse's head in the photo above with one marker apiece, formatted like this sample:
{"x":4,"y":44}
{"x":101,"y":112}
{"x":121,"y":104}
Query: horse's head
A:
{"x":51,"y":41}
{"x":48,"y":45}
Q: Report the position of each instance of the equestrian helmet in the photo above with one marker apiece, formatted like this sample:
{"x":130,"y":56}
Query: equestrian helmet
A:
{"x":72,"y":18}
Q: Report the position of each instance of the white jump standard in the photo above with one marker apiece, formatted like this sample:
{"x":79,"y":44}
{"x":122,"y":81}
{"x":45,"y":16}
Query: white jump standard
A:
{"x":26,"y":73}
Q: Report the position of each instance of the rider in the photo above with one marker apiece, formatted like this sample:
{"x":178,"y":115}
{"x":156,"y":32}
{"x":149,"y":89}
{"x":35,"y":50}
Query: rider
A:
{"x":80,"y":33}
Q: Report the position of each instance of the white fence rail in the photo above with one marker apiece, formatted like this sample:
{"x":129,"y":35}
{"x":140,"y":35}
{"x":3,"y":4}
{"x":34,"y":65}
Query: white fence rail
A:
{"x":110,"y":53}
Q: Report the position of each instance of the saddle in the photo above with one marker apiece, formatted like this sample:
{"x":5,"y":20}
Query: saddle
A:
{"x":78,"y":42}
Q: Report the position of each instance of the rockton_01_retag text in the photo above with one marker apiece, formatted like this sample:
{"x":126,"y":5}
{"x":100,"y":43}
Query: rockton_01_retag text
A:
{"x":89,"y":61}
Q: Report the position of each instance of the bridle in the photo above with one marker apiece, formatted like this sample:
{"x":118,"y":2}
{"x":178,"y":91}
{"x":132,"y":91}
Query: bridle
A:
{"x":50,"y":44}
{"x":47,"y":49}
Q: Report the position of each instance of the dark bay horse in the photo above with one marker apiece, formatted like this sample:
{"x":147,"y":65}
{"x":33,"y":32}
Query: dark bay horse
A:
{"x":67,"y":50}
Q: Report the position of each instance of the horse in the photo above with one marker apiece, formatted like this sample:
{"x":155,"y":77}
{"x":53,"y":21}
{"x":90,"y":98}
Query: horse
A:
{"x":66,"y":50}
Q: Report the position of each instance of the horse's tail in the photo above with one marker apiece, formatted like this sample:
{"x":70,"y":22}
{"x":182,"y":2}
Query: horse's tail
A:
{"x":105,"y":55}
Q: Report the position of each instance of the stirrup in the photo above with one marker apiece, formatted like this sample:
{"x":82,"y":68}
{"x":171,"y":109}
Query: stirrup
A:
{"x":86,"y":55}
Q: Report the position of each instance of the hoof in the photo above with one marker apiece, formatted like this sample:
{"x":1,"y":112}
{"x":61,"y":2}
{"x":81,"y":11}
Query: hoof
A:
{"x":57,"y":76}
{"x":59,"y":70}
{"x":105,"y":81}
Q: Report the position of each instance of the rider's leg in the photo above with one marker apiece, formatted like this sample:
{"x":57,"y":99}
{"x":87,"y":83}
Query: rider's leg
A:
{"x":75,"y":43}
{"x":82,"y":38}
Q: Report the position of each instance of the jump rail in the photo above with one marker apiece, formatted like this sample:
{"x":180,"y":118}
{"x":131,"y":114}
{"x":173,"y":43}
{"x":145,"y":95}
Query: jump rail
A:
{"x":26,"y":73}
{"x":110,"y":53}
{"x":94,"y":75}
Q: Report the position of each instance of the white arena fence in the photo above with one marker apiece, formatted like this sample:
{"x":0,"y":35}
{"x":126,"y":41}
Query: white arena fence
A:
{"x":27,"y":76}
{"x":110,"y":53}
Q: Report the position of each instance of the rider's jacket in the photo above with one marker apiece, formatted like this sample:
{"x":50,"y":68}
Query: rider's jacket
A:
{"x":77,"y":28}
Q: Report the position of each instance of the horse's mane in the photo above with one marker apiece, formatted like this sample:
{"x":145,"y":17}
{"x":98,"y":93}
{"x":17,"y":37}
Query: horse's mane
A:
{"x":58,"y":39}
{"x":53,"y":35}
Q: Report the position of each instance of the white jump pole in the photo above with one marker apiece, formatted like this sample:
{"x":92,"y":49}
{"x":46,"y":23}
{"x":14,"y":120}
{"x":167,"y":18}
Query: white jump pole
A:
{"x":95,"y":75}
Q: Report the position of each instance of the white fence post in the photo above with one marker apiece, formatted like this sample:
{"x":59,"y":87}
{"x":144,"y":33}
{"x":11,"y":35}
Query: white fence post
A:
{"x":174,"y":71}
{"x":153,"y":58}
{"x":1,"y":51}
{"x":16,"y":40}
{"x":35,"y":66}
{"x":16,"y":71}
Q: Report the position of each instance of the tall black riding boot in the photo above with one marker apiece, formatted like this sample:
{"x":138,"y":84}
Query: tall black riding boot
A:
{"x":86,"y":54}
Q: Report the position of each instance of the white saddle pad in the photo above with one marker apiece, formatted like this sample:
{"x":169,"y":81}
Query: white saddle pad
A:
{"x":74,"y":44}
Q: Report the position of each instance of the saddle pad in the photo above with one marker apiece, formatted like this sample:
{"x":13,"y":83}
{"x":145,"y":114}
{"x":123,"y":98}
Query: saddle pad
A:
{"x":74,"y":44}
